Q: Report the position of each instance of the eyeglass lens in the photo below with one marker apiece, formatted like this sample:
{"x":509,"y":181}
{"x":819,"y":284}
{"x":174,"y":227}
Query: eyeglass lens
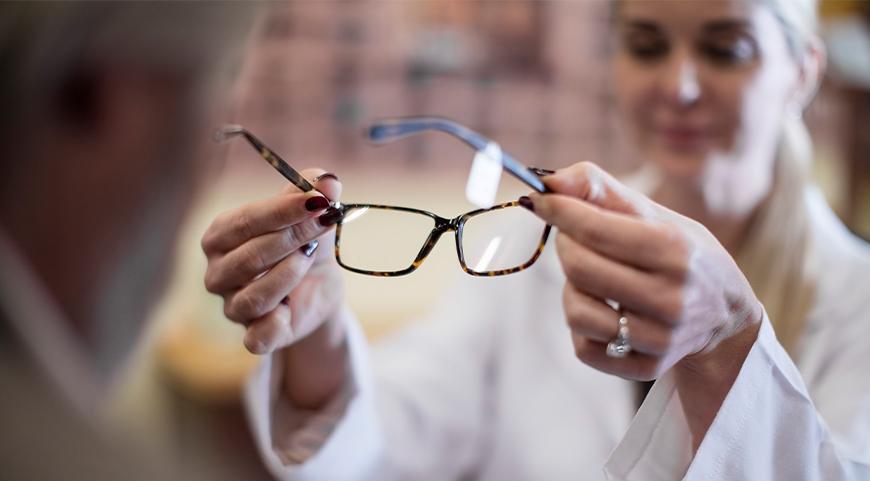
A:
{"x":380,"y":240}
{"x":501,"y":239}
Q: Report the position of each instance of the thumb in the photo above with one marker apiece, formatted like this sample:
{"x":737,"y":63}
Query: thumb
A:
{"x":588,"y":182}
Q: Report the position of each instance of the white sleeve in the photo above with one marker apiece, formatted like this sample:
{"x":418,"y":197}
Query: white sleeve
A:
{"x":342,"y":442}
{"x":435,"y":382}
{"x":434,"y":392}
{"x":767,"y":428}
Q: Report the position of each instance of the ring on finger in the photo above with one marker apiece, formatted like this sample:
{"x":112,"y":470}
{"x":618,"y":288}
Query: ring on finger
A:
{"x":619,"y":347}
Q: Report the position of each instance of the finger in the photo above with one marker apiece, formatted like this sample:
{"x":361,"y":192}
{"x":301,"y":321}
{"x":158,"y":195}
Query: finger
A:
{"x":270,"y":331}
{"x":325,"y":182}
{"x":589,"y":182}
{"x":250,"y":260}
{"x":658,"y":297}
{"x":648,"y":245}
{"x":232,"y":229}
{"x":263,"y":295}
{"x":595,"y":320}
{"x":636,"y":366}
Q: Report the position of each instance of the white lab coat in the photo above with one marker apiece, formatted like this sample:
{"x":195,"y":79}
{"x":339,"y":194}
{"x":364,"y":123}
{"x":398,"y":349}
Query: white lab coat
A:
{"x":488,"y":388}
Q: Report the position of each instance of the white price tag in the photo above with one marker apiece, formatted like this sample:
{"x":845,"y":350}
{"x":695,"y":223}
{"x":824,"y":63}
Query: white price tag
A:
{"x":484,"y":177}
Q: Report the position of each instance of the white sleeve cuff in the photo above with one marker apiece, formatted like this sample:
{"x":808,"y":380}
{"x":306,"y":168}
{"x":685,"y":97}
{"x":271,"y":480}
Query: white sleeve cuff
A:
{"x":341,"y":442}
{"x":766,"y":428}
{"x":657,"y":445}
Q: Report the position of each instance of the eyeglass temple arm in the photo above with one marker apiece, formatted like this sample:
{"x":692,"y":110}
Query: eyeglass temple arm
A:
{"x":384,"y":131}
{"x":289,"y":173}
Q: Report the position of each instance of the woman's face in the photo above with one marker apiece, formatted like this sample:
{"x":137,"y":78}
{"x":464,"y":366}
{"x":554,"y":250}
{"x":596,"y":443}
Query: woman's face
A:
{"x":702,"y":87}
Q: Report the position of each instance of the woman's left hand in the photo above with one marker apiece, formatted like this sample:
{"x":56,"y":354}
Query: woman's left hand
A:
{"x":686,"y":302}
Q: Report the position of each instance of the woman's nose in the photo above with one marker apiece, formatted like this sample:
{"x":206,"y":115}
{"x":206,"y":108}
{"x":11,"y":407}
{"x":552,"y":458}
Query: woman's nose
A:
{"x":681,"y":84}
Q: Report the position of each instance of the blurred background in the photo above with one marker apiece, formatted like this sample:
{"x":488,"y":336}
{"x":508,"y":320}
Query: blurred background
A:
{"x":531,"y":75}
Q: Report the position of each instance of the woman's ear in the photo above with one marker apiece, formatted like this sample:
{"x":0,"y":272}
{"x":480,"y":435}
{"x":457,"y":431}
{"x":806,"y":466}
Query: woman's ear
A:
{"x":812,"y":71}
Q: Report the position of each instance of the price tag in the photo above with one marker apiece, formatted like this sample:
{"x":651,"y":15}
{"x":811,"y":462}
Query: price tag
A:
{"x":484,"y":177}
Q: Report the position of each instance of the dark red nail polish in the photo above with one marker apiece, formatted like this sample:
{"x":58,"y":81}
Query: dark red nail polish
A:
{"x":323,"y":176}
{"x":527,"y":203}
{"x":331,"y":216}
{"x":309,"y":248}
{"x":316,"y":203}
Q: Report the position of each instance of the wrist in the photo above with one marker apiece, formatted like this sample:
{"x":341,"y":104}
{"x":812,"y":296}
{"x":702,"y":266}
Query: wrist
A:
{"x":315,"y":366}
{"x":703,"y":380}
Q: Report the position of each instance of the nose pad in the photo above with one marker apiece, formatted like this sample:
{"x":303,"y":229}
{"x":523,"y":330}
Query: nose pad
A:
{"x":441,"y":226}
{"x":689,"y":89}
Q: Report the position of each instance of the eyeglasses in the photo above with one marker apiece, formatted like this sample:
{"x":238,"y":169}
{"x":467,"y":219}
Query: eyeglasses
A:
{"x":382,"y":240}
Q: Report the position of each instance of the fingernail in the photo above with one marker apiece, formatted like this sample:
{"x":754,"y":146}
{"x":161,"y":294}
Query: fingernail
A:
{"x":316,"y":203}
{"x":331,"y":216}
{"x":309,"y":248}
{"x":541,"y":171}
{"x":323,"y":176}
{"x":527,"y":203}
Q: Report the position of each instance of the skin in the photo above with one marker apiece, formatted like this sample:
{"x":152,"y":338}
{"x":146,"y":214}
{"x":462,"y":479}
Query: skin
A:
{"x":285,"y":299}
{"x":705,"y":113}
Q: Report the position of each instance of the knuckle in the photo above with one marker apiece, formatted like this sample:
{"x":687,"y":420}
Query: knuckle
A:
{"x":676,"y":244}
{"x":589,"y":168}
{"x":582,"y":352}
{"x":251,"y":260}
{"x":241,"y":225}
{"x":290,"y":236}
{"x":209,"y":241}
{"x":660,"y":342}
{"x":671,"y":306}
{"x":230,"y":312}
{"x":249,"y":304}
{"x":306,"y":231}
{"x":211,"y":280}
{"x":573,"y":311}
{"x":675,"y":238}
{"x":294,"y":268}
{"x":569,"y":256}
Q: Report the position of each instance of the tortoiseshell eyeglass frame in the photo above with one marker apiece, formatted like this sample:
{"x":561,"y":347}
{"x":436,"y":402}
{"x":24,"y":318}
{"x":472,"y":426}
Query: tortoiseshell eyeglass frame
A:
{"x":442,"y":225}
{"x":275,"y":160}
{"x":388,"y":130}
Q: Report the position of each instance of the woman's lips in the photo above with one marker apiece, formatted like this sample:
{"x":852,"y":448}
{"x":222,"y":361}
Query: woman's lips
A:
{"x":684,"y":137}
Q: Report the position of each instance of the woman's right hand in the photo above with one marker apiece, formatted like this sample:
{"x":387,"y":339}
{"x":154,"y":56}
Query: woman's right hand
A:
{"x":257,"y":263}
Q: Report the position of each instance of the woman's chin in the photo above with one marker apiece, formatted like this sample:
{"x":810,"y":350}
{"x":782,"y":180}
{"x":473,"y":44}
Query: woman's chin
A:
{"x":684,"y":166}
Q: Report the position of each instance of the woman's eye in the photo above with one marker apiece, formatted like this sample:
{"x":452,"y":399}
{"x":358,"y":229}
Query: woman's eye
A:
{"x":646,"y":47}
{"x":735,"y":51}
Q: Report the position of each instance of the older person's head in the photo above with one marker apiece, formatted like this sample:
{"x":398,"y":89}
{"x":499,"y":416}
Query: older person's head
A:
{"x":104,"y":109}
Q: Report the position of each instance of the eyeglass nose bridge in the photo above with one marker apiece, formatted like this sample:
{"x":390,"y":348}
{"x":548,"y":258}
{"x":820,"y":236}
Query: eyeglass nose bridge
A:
{"x":442,"y":225}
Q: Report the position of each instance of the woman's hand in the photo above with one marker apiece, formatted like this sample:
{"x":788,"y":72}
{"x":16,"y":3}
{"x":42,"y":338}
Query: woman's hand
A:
{"x":688,"y":305}
{"x":259,"y":262}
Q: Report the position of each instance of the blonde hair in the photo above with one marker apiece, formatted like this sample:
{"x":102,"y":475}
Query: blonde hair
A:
{"x":777,"y":255}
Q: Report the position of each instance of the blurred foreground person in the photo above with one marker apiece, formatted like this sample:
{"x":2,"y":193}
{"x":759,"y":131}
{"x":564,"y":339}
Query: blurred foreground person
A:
{"x":738,"y":290}
{"x":104,"y":111}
